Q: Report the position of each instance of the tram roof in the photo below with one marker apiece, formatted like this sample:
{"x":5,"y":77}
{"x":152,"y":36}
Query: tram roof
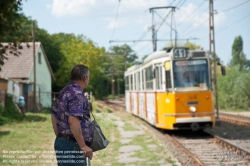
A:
{"x":156,"y":55}
{"x":133,"y":67}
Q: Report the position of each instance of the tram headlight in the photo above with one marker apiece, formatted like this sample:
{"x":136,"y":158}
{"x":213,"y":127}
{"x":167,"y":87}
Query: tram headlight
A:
{"x":192,"y":109}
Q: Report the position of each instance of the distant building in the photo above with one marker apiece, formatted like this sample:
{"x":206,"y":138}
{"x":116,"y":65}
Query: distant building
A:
{"x":20,"y":69}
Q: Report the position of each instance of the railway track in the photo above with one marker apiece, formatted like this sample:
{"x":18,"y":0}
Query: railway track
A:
{"x":235,"y":119}
{"x":204,"y":148}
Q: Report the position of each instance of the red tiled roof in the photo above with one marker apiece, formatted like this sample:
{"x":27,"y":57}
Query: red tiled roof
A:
{"x":19,"y":66}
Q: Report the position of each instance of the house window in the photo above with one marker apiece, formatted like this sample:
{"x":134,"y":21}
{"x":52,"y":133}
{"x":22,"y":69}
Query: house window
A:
{"x":39,"y":58}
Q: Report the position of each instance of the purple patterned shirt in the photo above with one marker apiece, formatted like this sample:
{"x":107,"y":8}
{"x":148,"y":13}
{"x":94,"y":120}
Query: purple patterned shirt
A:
{"x":71,"y":102}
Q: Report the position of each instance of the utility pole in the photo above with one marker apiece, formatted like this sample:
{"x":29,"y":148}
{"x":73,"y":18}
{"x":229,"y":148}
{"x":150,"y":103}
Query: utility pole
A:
{"x":118,"y":85}
{"x":113,"y":79}
{"x":212,"y":51}
{"x":125,"y":55}
{"x":154,"y":32}
{"x":34,"y":61}
{"x":154,"y":38}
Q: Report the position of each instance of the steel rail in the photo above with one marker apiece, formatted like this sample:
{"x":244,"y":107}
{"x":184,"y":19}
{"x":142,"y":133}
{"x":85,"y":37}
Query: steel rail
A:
{"x":235,"y":119}
{"x":186,"y":151}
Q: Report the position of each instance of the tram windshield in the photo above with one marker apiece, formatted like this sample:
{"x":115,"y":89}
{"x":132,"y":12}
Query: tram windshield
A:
{"x":191,"y":74}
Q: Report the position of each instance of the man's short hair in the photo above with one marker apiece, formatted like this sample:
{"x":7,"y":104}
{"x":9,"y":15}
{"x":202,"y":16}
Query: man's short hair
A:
{"x":78,"y":72}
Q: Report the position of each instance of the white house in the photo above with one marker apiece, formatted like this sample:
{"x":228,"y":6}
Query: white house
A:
{"x":20,"y":69}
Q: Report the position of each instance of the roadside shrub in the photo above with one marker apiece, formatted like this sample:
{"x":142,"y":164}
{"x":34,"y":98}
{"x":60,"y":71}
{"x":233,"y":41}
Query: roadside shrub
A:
{"x":9,"y":113}
{"x":233,"y":89}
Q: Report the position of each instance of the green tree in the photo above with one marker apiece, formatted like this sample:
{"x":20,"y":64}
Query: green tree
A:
{"x":9,"y":23}
{"x":126,"y":51}
{"x":51,"y":46}
{"x":234,"y":89}
{"x":238,"y":57}
{"x":192,"y":46}
{"x":122,"y":57}
{"x":80,"y":50}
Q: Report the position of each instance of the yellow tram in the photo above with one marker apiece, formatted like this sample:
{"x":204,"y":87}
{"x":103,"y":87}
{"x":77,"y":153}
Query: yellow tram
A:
{"x":172,"y":89}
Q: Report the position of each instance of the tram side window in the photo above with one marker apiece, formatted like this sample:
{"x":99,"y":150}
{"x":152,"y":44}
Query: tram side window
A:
{"x":131,"y":82}
{"x":135,"y":81}
{"x":168,"y":79}
{"x":142,"y":81}
{"x":149,"y":78}
{"x":158,"y":76}
{"x":139,"y":81}
{"x":126,"y":83}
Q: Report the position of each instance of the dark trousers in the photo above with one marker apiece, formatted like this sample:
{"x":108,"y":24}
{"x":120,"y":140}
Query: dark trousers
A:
{"x":68,"y":153}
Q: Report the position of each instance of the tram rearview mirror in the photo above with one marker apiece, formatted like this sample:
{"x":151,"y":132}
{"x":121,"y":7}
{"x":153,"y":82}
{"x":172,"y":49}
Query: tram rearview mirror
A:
{"x":223,"y":70}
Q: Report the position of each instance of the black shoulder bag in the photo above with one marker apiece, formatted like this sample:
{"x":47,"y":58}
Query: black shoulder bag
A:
{"x":99,"y":140}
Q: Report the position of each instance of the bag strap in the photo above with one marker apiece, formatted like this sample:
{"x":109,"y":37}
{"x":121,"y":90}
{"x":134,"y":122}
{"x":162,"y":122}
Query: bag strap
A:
{"x":92,"y":115}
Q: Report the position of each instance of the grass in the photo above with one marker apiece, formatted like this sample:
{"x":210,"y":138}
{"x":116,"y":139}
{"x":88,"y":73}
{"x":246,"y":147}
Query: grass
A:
{"x":150,"y":156}
{"x":34,"y":136}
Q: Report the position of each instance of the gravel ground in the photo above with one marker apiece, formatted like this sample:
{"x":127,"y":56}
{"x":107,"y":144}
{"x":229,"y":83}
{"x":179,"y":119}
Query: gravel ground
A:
{"x":238,"y":135}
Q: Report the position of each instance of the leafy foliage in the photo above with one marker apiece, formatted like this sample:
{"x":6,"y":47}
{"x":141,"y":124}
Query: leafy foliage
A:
{"x":238,"y":57}
{"x":192,"y":46}
{"x":122,"y":58}
{"x":80,"y":50}
{"x":9,"y":16}
{"x":234,"y":89}
{"x":9,"y":113}
{"x":125,"y":51}
{"x":50,"y":45}
{"x":9,"y":24}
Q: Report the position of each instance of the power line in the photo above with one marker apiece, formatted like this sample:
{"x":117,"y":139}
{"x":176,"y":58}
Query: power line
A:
{"x":196,"y":27}
{"x":164,"y":20}
{"x":171,"y":3}
{"x":146,"y":40}
{"x":142,"y":36}
{"x":115,"y":19}
{"x":234,"y":22}
{"x":181,"y":4}
{"x":192,"y":23}
{"x":192,"y":12}
{"x":186,"y":18}
{"x":229,"y":25}
{"x":235,"y":6}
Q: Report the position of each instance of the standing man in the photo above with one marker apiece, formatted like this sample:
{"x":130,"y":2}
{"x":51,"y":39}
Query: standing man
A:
{"x":71,"y":121}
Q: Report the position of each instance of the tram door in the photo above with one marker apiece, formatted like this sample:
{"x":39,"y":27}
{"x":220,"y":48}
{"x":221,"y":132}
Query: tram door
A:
{"x":159,"y":93}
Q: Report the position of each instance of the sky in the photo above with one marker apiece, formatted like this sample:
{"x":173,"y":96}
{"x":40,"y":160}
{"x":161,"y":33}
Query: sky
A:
{"x":125,"y":21}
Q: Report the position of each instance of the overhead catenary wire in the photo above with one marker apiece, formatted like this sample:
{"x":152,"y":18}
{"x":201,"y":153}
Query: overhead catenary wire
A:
{"x":181,"y":4}
{"x":191,"y":13}
{"x":140,"y":39}
{"x":229,"y":25}
{"x":171,"y":3}
{"x":235,"y":6}
{"x":187,"y":18}
{"x":207,"y":20}
{"x":190,"y":32}
{"x":116,"y":17}
{"x":192,"y":24}
{"x":164,"y":20}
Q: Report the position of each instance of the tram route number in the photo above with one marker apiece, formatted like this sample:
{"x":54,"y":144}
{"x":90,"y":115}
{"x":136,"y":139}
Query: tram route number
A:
{"x":180,"y":53}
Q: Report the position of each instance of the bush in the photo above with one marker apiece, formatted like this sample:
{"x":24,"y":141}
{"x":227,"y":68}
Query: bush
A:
{"x":233,"y":89}
{"x":9,"y":113}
